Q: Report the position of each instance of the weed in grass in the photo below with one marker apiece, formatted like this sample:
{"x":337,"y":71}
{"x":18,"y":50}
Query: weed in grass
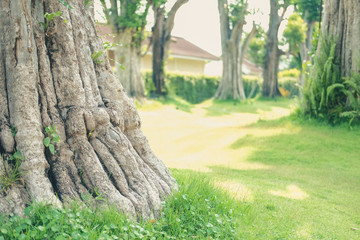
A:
{"x":11,"y":171}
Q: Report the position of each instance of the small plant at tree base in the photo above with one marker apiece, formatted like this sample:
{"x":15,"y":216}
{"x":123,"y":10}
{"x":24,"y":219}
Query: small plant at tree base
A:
{"x":49,"y":17}
{"x":96,"y":55}
{"x":13,"y":131}
{"x":327,"y":95}
{"x":66,"y":4}
{"x":87,"y":2}
{"x":51,"y":139}
{"x":12,"y":173}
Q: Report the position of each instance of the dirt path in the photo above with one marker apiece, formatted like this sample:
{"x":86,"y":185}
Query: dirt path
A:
{"x":196,"y":141}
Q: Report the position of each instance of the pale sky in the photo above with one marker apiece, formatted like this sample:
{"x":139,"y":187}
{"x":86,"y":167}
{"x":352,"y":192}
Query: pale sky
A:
{"x":198,"y":22}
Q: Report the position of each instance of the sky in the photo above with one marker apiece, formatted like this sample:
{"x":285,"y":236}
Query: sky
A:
{"x":198,"y":22}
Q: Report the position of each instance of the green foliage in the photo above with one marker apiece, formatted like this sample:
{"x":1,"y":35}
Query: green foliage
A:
{"x":237,"y":11}
{"x":49,"y":17}
{"x":96,"y":55}
{"x":196,"y":89}
{"x":291,"y":85}
{"x":327,"y":95}
{"x":193,"y":89}
{"x":128,"y":14}
{"x":51,"y":139}
{"x":13,"y":131}
{"x":256,"y":48}
{"x":309,"y":9}
{"x":66,"y":4}
{"x":87,"y":2}
{"x":12,"y":174}
{"x":295,"y":32}
{"x":294,"y":73}
{"x":198,"y":210}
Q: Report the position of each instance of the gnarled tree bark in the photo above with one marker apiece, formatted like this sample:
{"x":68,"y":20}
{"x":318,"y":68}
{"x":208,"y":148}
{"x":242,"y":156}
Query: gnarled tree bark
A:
{"x":49,"y":78}
{"x":341,"y":20}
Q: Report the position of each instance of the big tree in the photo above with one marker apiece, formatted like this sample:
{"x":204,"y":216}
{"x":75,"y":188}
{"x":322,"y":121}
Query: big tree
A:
{"x":273,"y":53}
{"x":232,"y":20}
{"x":332,"y":90}
{"x":341,"y":20}
{"x":127,"y":19}
{"x":161,"y":37}
{"x":48,"y":78}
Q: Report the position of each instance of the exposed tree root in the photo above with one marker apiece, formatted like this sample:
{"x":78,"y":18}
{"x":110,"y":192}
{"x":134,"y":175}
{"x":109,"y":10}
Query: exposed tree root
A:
{"x":50,"y":79}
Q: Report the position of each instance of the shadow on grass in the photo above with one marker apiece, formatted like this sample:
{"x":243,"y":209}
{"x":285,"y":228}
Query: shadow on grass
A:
{"x":225,"y":107}
{"x":177,"y":102}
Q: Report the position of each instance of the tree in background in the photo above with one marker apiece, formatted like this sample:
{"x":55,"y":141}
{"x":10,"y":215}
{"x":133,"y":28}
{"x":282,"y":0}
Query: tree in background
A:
{"x":127,"y":19}
{"x":48,"y":78}
{"x":295,"y":33}
{"x":332,"y":91}
{"x":256,"y":49}
{"x":232,"y":21}
{"x":273,"y":53}
{"x":161,"y":37}
{"x":310,"y":11}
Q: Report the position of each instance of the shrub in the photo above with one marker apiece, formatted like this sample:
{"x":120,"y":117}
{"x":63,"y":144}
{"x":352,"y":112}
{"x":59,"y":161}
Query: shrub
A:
{"x":294,"y":73}
{"x":196,"y":89}
{"x":290,"y":84}
{"x":327,"y":95}
{"x":193,"y":89}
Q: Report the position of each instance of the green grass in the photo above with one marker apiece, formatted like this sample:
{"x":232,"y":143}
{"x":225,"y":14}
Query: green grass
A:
{"x":226,"y":107}
{"x":197,"y":211}
{"x":311,"y":189}
{"x":170,"y":100}
{"x":300,"y":178}
{"x":305,"y":184}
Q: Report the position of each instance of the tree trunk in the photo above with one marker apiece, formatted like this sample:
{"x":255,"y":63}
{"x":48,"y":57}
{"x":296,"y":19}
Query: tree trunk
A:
{"x":161,"y":36}
{"x":272,"y":54}
{"x":128,"y":64}
{"x":158,"y":41}
{"x":305,"y":48}
{"x":49,"y":79}
{"x":231,"y":85}
{"x":341,"y":20}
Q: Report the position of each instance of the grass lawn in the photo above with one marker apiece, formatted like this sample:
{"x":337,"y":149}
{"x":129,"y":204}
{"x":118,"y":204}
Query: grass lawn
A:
{"x":299,"y":180}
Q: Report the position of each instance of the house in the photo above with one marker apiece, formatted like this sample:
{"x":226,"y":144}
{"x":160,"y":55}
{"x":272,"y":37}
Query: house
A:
{"x":249,"y":68}
{"x":184,"y":56}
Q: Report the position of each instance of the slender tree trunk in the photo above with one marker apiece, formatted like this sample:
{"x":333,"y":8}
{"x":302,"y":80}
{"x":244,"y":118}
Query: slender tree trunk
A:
{"x":272,"y":55}
{"x":341,"y":20}
{"x":128,"y":64}
{"x":159,"y":56}
{"x":161,"y":36}
{"x":305,"y":48}
{"x":49,"y":79}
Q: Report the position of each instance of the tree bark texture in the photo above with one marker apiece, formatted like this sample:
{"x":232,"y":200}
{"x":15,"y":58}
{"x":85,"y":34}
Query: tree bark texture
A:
{"x":49,"y":79}
{"x":273,"y":53}
{"x":341,"y":20}
{"x":161,"y":36}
